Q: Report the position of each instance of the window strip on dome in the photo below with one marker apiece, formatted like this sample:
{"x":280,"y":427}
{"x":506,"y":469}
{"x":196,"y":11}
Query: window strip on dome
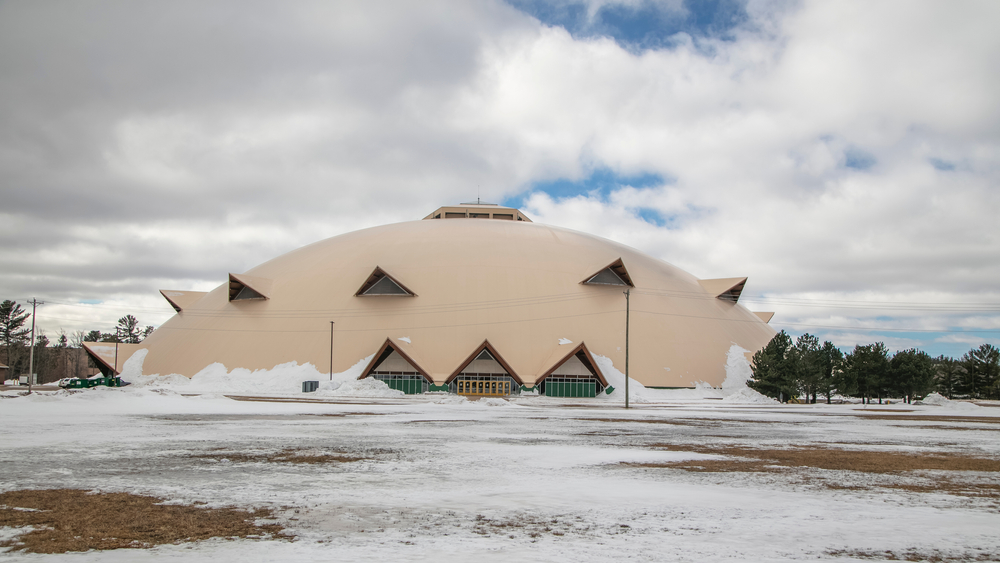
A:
{"x":381,"y":283}
{"x":613,"y":274}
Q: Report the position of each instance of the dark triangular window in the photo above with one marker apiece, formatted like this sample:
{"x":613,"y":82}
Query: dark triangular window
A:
{"x":606,"y":276}
{"x":385,"y":286}
{"x":381,"y":283}
{"x":247,"y":293}
{"x":614,"y":274}
{"x":485,"y":355}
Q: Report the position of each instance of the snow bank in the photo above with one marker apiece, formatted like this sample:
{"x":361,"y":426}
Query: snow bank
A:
{"x":284,"y":378}
{"x":737,"y":369}
{"x":367,"y":387}
{"x":942,"y":401}
{"x":747,"y":396}
{"x":637,"y":391}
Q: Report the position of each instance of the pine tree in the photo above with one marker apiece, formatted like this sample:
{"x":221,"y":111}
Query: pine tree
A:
{"x":773,"y":373}
{"x":13,"y":334}
{"x":867,"y":367}
{"x":911,"y":373}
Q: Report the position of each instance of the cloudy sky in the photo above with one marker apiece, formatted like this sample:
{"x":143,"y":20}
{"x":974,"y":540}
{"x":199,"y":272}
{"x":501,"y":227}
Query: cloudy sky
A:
{"x":843,"y":155}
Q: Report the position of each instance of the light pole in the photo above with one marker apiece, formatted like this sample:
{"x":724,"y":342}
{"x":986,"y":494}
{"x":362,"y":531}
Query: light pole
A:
{"x":627,"y":291}
{"x":31,"y":358}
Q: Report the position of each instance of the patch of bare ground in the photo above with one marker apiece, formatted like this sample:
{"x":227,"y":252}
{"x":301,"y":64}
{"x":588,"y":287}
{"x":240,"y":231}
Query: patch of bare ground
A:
{"x":440,"y":420}
{"x":935,"y":418}
{"x":526,"y":524}
{"x":688,"y":421}
{"x":946,"y":486}
{"x":284,"y":456}
{"x":914,"y":555}
{"x":756,"y":459}
{"x":75,"y":520}
{"x":886,"y":410}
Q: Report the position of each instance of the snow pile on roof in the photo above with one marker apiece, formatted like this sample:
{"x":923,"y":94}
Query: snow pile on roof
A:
{"x":942,"y":401}
{"x":747,"y":396}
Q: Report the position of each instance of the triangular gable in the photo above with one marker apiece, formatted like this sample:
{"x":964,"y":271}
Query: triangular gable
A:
{"x":259,"y":288}
{"x":104,"y":353}
{"x":582,"y":354}
{"x":766,"y":317}
{"x":180,"y":300}
{"x":380,"y":283}
{"x":727,"y":289}
{"x":495,"y":356}
{"x":387,"y":349}
{"x":613,"y":274}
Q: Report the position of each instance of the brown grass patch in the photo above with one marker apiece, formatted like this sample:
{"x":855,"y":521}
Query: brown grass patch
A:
{"x":913,"y":555}
{"x":284,"y":456}
{"x":75,"y":520}
{"x":981,"y":490}
{"x":754,"y":459}
{"x":935,"y":418}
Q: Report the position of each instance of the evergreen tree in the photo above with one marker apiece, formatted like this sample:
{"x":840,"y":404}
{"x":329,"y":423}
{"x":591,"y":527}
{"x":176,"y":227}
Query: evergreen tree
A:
{"x":868,"y":366}
{"x":831,"y":360}
{"x":128,"y":330}
{"x":773,"y":373}
{"x":13,"y":333}
{"x":807,"y":365}
{"x":911,"y":373}
{"x":948,"y":375}
{"x":92,"y":336}
{"x":983,"y":366}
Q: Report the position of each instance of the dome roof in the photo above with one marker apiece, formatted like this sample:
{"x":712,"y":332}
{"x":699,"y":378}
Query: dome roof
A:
{"x":439,"y":288}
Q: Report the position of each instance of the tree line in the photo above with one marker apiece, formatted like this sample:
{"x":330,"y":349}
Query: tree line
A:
{"x":55,"y":357}
{"x":806,"y":369}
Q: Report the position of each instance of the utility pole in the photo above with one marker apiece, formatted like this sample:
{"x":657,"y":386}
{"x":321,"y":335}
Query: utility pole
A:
{"x":31,"y":359}
{"x":118,"y":332}
{"x":627,"y":291}
{"x":331,"y":350}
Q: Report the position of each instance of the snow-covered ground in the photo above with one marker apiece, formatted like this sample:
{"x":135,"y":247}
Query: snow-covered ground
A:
{"x":531,"y":479}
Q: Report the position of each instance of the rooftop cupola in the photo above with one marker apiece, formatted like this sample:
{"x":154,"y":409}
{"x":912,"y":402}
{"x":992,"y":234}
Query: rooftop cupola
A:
{"x":478,"y":210}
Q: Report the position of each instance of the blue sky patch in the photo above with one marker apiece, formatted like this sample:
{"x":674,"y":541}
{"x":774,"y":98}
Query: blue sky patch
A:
{"x":647,"y":25}
{"x":942,"y":165}
{"x":91,"y":301}
{"x":600,"y":182}
{"x":858,"y":159}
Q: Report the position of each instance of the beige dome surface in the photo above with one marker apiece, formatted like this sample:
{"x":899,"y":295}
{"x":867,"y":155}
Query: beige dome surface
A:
{"x":516,"y":284}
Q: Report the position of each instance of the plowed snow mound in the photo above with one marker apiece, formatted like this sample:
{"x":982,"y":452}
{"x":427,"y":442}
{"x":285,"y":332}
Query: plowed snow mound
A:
{"x":942,"y":401}
{"x":750,"y":397}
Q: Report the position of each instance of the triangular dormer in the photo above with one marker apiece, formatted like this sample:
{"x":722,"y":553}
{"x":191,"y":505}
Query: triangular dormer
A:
{"x":488,"y":360}
{"x":727,"y":289}
{"x":577,"y":363}
{"x":613,"y":274}
{"x":381,"y":283}
{"x":181,"y":300}
{"x":243,"y":287}
{"x":391,"y":359}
